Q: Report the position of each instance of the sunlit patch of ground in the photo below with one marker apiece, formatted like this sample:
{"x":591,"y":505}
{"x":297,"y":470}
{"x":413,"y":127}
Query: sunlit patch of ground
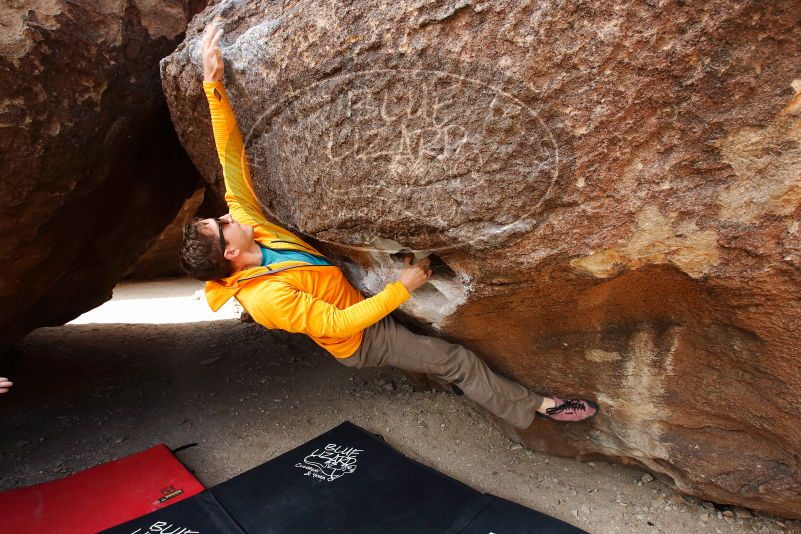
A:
{"x":158,"y":302}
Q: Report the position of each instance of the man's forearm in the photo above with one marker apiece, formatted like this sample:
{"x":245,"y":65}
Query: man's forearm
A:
{"x":239,"y":194}
{"x":357,"y":317}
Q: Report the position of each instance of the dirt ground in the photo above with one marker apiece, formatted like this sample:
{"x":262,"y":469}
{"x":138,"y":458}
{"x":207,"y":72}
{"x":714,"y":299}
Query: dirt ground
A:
{"x":88,"y":393}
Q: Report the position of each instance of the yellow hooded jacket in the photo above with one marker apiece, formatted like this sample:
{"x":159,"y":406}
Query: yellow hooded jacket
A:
{"x":295,"y":296}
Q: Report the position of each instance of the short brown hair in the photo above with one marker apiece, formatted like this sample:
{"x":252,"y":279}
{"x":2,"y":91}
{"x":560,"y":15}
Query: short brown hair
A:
{"x":201,"y":256}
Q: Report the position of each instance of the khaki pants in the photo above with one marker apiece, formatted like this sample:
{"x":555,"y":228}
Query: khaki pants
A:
{"x":390,"y":343}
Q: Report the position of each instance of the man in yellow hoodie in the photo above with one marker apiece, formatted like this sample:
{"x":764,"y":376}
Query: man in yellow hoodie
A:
{"x":283,"y":282}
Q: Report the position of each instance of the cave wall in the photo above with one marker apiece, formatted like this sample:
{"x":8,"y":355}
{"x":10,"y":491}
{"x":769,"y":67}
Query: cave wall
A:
{"x":91,"y":169}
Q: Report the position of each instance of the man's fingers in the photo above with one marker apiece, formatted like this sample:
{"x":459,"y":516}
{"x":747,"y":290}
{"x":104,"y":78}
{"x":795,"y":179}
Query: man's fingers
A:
{"x":215,"y":41}
{"x":425,"y":262}
{"x":207,"y":41}
{"x":207,"y":33}
{"x":6,"y":383}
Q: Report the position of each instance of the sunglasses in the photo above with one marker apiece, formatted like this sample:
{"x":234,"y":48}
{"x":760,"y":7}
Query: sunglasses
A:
{"x":220,"y":223}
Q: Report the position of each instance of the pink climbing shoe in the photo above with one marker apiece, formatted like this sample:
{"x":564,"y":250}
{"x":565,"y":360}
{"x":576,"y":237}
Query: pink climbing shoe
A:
{"x":571,"y":410}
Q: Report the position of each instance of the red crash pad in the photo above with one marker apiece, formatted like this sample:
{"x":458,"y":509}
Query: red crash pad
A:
{"x":100,"y":497}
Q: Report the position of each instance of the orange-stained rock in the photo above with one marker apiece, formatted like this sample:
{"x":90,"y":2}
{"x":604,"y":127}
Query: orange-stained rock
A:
{"x":90,"y":168}
{"x":614,"y":189}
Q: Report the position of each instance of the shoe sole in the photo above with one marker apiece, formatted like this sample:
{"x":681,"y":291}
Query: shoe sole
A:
{"x":591,"y":403}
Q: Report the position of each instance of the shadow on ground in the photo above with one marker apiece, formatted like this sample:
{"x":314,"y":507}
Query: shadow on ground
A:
{"x":89,"y":393}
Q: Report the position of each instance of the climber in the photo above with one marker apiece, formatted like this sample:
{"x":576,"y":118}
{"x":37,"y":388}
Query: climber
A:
{"x":285,"y":283}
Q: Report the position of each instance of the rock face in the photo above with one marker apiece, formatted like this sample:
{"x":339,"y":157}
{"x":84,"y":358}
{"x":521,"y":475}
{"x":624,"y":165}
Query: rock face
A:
{"x":613,"y":190}
{"x":163,"y":258}
{"x":90,"y":169}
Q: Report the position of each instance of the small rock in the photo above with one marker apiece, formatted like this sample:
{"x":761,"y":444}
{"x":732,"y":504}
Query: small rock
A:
{"x":678,"y":500}
{"x":704,"y":517}
{"x":742,"y":513}
{"x":646,"y":478}
{"x":728,"y":513}
{"x":575,"y":513}
{"x":515,"y":447}
{"x":22,"y":443}
{"x":119,"y":440}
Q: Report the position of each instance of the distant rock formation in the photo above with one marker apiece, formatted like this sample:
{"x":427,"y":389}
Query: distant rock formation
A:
{"x":612,"y":191}
{"x":90,"y":169}
{"x":163,"y":258}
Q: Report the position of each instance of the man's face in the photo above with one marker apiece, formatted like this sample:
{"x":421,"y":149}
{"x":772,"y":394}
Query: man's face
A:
{"x":238,"y":237}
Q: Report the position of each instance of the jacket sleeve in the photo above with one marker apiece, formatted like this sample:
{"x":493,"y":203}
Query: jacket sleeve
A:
{"x":283,"y":306}
{"x":239,"y":193}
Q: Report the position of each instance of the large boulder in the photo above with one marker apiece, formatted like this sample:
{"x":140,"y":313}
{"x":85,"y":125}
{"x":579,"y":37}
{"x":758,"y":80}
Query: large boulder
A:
{"x":91,"y":170}
{"x":612,"y":191}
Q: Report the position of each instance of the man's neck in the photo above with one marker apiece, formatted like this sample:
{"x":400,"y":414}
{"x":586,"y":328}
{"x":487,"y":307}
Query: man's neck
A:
{"x":249,"y":258}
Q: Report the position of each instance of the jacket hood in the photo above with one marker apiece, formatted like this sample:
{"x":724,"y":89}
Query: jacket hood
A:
{"x":218,"y":292}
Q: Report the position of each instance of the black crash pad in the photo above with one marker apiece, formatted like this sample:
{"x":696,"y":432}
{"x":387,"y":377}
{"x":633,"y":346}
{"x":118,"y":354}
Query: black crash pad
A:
{"x":345,"y":481}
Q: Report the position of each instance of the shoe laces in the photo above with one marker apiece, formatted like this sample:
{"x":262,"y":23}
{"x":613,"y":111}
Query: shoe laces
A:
{"x":567,"y":404}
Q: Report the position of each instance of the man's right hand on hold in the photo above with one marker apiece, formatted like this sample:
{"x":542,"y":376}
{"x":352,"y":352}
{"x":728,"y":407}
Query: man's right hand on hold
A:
{"x":414,"y":276}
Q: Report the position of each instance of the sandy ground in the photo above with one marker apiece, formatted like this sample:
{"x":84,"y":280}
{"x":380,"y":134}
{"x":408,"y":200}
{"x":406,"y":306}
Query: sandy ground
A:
{"x":99,"y":389}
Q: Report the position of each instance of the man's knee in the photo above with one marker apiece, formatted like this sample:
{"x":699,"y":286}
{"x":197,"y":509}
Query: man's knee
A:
{"x":458,"y":364}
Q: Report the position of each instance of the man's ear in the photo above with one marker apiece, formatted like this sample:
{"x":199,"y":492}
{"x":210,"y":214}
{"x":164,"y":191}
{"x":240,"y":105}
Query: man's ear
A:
{"x":231,"y":253}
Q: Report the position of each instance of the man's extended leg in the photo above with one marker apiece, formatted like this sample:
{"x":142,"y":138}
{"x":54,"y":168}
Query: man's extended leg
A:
{"x":390,"y":343}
